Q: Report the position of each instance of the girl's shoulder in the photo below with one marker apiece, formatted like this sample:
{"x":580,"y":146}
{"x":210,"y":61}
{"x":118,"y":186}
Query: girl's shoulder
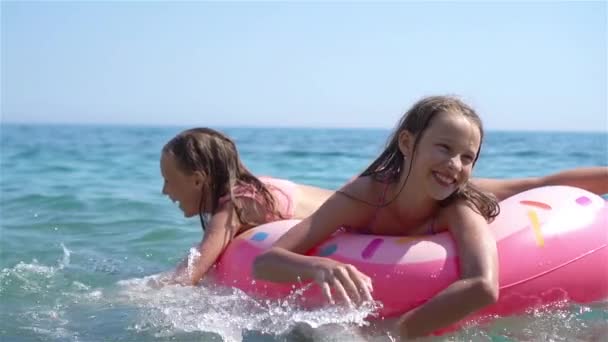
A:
{"x":454,"y":212}
{"x":272,"y":182}
{"x":365,"y":188}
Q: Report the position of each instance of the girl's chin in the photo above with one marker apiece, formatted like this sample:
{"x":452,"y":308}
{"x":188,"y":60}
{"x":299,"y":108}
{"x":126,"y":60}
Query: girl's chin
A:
{"x":190,"y":214}
{"x":443,"y":193}
{"x":440,"y":197}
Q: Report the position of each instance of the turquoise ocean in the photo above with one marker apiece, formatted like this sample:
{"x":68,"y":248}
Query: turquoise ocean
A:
{"x":84,"y":229}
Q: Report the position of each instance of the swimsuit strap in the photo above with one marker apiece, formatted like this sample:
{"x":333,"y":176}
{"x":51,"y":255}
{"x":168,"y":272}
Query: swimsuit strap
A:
{"x":381,"y":204}
{"x":431,"y":229}
{"x":383,"y":196}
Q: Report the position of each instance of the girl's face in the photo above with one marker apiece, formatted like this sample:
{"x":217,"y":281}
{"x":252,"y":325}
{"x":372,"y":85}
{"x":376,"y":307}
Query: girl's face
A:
{"x":445,"y":154}
{"x":181,"y":187}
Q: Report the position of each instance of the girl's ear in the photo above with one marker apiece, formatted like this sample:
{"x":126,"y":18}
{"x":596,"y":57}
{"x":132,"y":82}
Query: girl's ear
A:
{"x":199,"y":178}
{"x":406,"y":143}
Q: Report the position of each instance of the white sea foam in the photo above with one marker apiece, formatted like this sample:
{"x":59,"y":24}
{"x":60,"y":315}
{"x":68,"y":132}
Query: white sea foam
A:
{"x":228,"y":312}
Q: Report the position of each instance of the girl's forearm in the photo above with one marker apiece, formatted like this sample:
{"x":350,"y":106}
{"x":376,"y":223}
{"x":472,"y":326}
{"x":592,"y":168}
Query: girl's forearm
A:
{"x":280,"y":265}
{"x":203,"y":260}
{"x":593,"y":179}
{"x":449,"y":306}
{"x":181,"y":273}
{"x":194,"y":267}
{"x":198,"y":271}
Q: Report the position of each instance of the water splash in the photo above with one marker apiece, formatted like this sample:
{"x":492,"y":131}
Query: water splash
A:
{"x":229,"y":312}
{"x":53,"y":294}
{"x":30,"y":277}
{"x":193,"y":257}
{"x":560,"y":321}
{"x":33,"y":277}
{"x":65,"y":261}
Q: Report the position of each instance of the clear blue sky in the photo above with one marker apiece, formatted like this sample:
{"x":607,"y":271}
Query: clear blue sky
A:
{"x":524,"y":66}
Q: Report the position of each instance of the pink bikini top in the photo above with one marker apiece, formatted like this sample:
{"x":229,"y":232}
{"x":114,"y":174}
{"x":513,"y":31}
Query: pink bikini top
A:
{"x":282,"y":190}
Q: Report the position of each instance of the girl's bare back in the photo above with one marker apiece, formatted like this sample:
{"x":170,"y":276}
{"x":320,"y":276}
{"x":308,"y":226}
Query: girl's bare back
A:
{"x":308,"y":199}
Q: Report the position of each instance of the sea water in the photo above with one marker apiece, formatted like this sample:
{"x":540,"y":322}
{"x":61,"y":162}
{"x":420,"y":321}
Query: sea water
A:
{"x":85,"y":231}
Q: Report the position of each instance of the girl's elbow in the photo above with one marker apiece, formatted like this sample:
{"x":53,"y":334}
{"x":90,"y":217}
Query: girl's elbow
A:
{"x":487,"y":290}
{"x":260,"y":265}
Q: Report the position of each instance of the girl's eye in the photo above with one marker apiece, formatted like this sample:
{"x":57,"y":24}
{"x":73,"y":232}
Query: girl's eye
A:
{"x":467,"y":159}
{"x":444,"y":147}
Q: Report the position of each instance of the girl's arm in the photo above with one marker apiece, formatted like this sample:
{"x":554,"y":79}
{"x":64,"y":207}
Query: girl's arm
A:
{"x":285,"y":262}
{"x":593,"y":179}
{"x":478,"y":283}
{"x":505,"y":188}
{"x":223,"y":227}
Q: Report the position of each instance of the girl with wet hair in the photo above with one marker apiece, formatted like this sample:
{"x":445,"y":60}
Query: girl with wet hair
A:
{"x":420,"y":184}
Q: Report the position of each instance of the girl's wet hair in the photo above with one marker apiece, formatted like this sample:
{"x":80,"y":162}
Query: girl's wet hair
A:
{"x":215,"y":155}
{"x":387,"y":167}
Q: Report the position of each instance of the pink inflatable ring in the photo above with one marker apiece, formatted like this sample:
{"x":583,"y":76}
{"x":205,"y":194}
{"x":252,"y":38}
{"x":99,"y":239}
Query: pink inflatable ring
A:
{"x":552,"y":245}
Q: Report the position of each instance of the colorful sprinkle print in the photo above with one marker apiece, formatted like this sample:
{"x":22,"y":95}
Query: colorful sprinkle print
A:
{"x":533,"y":216}
{"x":259,"y":236}
{"x":583,"y":200}
{"x":536,"y":204}
{"x":371,"y":248}
{"x":404,"y":240}
{"x":328,"y":250}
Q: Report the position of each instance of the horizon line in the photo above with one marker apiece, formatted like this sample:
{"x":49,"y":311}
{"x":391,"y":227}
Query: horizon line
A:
{"x":249,"y":126}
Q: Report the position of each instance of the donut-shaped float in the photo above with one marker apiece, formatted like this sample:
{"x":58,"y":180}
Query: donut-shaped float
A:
{"x":552,"y":245}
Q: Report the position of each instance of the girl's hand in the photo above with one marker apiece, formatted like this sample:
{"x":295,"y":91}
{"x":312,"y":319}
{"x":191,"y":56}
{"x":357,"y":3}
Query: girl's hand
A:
{"x":161,"y":280}
{"x":179,"y":277}
{"x":350,"y":285}
{"x":286,"y":260}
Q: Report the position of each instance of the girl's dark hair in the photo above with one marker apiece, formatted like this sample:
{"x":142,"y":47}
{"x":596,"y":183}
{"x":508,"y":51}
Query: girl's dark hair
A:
{"x":216,"y":156}
{"x":387,"y":167}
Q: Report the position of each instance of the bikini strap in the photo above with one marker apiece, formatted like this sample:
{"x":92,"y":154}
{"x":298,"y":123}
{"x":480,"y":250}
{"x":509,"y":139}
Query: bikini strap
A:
{"x":383,"y":196}
{"x":381,"y":204}
{"x":431,"y":229}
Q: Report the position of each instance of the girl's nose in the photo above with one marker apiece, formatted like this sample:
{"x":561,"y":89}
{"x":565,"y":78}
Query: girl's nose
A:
{"x":455,"y":163}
